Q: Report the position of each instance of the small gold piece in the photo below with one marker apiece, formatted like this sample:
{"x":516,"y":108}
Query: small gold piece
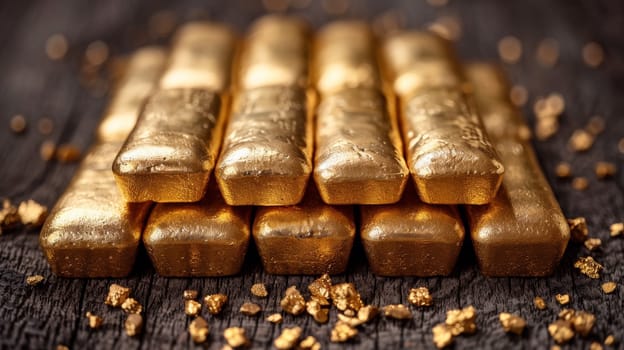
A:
{"x":398,"y":312}
{"x":235,"y":337}
{"x":563,"y":299}
{"x":198,"y":328}
{"x":319,"y":314}
{"x":320,"y":289}
{"x":266,"y":157}
{"x":583,"y":322}
{"x":275,"y":318}
{"x":95,"y":321}
{"x":609,"y":287}
{"x":462,"y":321}
{"x":131,"y":306}
{"x":250,"y":309}
{"x":616,"y":229}
{"x":595,"y":346}
{"x":45,"y":126}
{"x":367,"y":313}
{"x":539,"y":303}
{"x":548,"y":52}
{"x":518,"y":95}
{"x":214,"y":303}
{"x":190,"y":294}
{"x":342,"y":332}
{"x":259,"y":290}
{"x":310,"y":238}
{"x":9,"y":216}
{"x":442,"y":335}
{"x":346,"y":297}
{"x":595,"y":125}
{"x":512,"y":323}
{"x":448,"y":27}
{"x":592,"y":243}
{"x":563,"y":170}
{"x":420,"y":296}
{"x":192,"y":307}
{"x":566,"y":314}
{"x":593,"y":54}
{"x":293,"y":302}
{"x":351,"y":321}
{"x":56,"y":47}
{"x":96,"y":53}
{"x":62,"y":347}
{"x":67,"y":153}
{"x":288,"y":338}
{"x":609,"y":340}
{"x":578,"y":229}
{"x":581,"y":140}
{"x":588,"y":266}
{"x":18,"y":124}
{"x":116,"y":295}
{"x":208,"y":238}
{"x":561,"y":331}
{"x":510,"y":49}
{"x":134,"y":325}
{"x":309,"y":343}
{"x":34,"y":280}
{"x":32,"y":213}
{"x":47,"y":150}
{"x":604,"y":170}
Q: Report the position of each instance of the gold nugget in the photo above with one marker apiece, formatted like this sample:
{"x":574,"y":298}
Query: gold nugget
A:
{"x":411,"y":237}
{"x":92,"y":231}
{"x":310,"y":238}
{"x":208,"y":238}
{"x":139,"y":79}
{"x":523,"y":231}
{"x":172,"y":150}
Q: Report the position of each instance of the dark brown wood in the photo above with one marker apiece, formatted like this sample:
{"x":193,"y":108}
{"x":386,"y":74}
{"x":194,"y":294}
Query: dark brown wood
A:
{"x":53,"y":313}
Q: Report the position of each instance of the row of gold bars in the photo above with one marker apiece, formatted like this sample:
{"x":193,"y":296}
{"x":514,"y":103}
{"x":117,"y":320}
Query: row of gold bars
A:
{"x":250,"y":111}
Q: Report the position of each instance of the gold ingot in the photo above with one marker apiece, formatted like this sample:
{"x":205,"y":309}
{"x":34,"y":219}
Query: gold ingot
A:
{"x":201,"y":57}
{"x":92,"y":231}
{"x":275,"y":52}
{"x":344,"y":57}
{"x":358,"y":157}
{"x":266,"y":158}
{"x":310,"y":238}
{"x":523,"y":231}
{"x":208,"y":238}
{"x":411,"y":238}
{"x":171,"y":152}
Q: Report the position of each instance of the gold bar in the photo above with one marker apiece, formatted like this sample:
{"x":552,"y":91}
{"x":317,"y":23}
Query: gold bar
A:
{"x":310,"y":238}
{"x":448,"y":152}
{"x":411,"y":238}
{"x":208,"y":238}
{"x":141,"y":75}
{"x":358,"y":149}
{"x":172,"y":150}
{"x":266,"y":158}
{"x":92,"y":231}
{"x":522,"y":232}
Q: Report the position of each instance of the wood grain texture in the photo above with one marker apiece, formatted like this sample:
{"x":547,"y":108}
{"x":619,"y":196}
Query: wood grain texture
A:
{"x":53,"y":313}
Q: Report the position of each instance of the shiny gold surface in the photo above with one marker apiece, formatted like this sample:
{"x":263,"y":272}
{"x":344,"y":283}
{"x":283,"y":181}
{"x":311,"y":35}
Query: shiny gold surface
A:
{"x":170,"y":153}
{"x":358,"y":157}
{"x":310,"y":238}
{"x":201,"y":57}
{"x":523,"y":231}
{"x":344,"y":57}
{"x":208,"y":238}
{"x":267,"y":148}
{"x":275,"y":52}
{"x":92,"y":232}
{"x":411,"y":238}
{"x":139,"y":79}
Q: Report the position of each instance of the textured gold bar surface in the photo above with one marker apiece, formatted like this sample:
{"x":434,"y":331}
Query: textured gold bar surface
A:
{"x":358,"y":157}
{"x":523,"y":232}
{"x":411,"y":238}
{"x":448,"y":151}
{"x":266,"y":158}
{"x":344,"y":57}
{"x":171,"y":152}
{"x":310,"y":238}
{"x":208,"y":238}
{"x":275,"y":52}
{"x":139,"y":79}
{"x":92,"y":231}
{"x":201,"y":57}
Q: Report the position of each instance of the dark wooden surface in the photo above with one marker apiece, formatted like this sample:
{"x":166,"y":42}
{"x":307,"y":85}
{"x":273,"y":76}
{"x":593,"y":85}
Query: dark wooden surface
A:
{"x":52,"y":313}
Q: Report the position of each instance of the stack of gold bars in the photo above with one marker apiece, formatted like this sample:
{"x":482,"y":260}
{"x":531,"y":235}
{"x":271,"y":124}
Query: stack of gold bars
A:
{"x":359,"y":115}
